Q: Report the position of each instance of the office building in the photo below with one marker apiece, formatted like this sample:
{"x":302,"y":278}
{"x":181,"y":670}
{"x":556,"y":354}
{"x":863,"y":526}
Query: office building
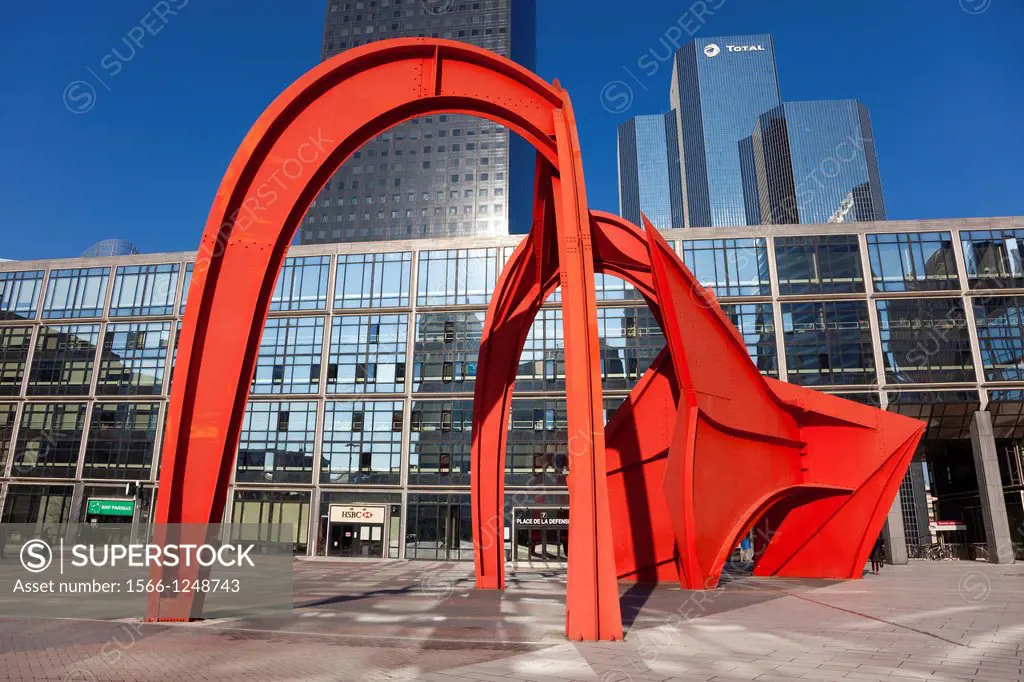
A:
{"x":649,"y":171}
{"x":363,"y":390}
{"x":719,"y":87}
{"x":815,"y":162}
{"x":435,"y":176}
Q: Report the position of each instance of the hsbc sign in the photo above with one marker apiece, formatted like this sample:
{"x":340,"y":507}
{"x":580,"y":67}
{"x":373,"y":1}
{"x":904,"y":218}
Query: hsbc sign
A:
{"x":350,"y":514}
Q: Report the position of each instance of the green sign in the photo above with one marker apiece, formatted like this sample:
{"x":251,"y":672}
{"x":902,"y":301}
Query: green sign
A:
{"x":111,"y":508}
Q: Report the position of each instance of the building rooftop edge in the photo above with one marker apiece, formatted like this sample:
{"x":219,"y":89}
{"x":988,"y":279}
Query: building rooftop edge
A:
{"x":924,"y":224}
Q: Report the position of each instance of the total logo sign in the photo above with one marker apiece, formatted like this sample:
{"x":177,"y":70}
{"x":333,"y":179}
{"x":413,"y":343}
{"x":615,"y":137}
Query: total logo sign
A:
{"x":713,"y":50}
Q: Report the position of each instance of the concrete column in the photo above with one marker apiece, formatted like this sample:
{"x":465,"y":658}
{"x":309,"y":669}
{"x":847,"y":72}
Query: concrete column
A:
{"x":990,"y":489}
{"x":895,"y":536}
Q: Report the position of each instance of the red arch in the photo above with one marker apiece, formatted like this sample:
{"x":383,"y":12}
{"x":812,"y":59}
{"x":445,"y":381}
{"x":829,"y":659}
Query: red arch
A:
{"x":287,"y":156}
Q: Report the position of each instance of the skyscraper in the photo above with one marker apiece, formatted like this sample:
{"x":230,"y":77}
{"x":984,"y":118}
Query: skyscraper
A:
{"x":649,"y":171}
{"x":719,"y":88}
{"x":441,"y":175}
{"x":815,"y":162}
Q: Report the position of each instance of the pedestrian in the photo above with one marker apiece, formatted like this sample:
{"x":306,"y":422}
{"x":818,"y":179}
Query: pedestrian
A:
{"x":746,"y":553}
{"x":877,"y":555}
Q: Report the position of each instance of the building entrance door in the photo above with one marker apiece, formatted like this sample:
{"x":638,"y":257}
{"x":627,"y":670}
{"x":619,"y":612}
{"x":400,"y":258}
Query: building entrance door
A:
{"x":356,"y":531}
{"x":355,"y":540}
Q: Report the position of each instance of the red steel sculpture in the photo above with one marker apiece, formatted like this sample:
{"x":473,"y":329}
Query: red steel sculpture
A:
{"x":703,"y":450}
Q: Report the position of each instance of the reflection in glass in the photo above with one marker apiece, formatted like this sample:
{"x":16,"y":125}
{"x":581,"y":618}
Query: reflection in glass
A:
{"x":362,"y":442}
{"x":48,"y":440}
{"x":912,"y":261}
{"x":15,"y":343}
{"x":289,"y":357}
{"x":731,"y":267}
{"x":756,"y":325}
{"x":828,"y":342}
{"x":134,"y":357}
{"x":367,"y":354}
{"x":1001,"y":336}
{"x":925,"y":340}
{"x":144,"y":290}
{"x":445,"y":351}
{"x":121,"y":439}
{"x":301,"y":284}
{"x":819,"y":264}
{"x":439,"y":442}
{"x":76,"y":292}
{"x":372,"y":280}
{"x":19,"y":294}
{"x":277,"y":443}
{"x":457,"y":276}
{"x":63,"y":360}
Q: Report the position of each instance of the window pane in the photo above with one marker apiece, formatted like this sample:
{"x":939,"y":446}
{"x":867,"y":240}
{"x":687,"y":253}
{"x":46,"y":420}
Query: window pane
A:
{"x":8,"y":413}
{"x":993,"y":258}
{"x":19,"y":294}
{"x":49,"y":439}
{"x":439,"y":442}
{"x":925,"y":340}
{"x":1001,"y":336}
{"x":121,"y":439}
{"x":15,"y":343}
{"x":144,"y":290}
{"x":63,"y":360}
{"x":828,"y":342}
{"x":362,"y":442}
{"x":629,"y":339}
{"x":302,"y":284}
{"x":367,"y":354}
{"x":76,"y":292}
{"x":912,"y":261}
{"x":537,"y":449}
{"x":134,"y":358}
{"x":277,"y":443}
{"x":445,"y":352}
{"x":822,"y":264}
{"x":457,"y":276}
{"x":189,"y":267}
{"x":290,"y":355}
{"x":372,"y":280}
{"x":730,"y":267}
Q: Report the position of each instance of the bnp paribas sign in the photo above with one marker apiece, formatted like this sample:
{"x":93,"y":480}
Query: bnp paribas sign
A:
{"x":713,"y":50}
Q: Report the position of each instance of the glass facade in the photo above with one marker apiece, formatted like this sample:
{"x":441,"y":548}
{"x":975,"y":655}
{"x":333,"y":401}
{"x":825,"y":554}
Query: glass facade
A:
{"x":144,"y":290}
{"x":912,"y":261}
{"x":649,"y":171}
{"x":19,"y":294}
{"x":379,"y":411}
{"x":992,"y":258}
{"x":76,"y":292}
{"x":719,"y":88}
{"x":367,"y":354}
{"x":302,"y":284}
{"x":815,"y":163}
{"x":730,"y":267}
{"x":819,"y":264}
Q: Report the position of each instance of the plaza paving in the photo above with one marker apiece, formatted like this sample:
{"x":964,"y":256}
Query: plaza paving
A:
{"x":423,"y":621}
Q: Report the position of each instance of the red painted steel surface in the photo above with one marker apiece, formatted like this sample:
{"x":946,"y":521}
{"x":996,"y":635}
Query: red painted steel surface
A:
{"x":703,"y":449}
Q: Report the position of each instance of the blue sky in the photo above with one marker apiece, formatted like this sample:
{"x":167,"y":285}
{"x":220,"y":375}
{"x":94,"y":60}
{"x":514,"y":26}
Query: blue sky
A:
{"x":941,"y":78}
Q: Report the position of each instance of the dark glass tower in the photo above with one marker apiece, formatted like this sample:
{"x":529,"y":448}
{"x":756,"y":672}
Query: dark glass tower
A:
{"x":649,"y":172}
{"x":815,"y":162}
{"x":437,"y":176}
{"x":719,"y":88}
